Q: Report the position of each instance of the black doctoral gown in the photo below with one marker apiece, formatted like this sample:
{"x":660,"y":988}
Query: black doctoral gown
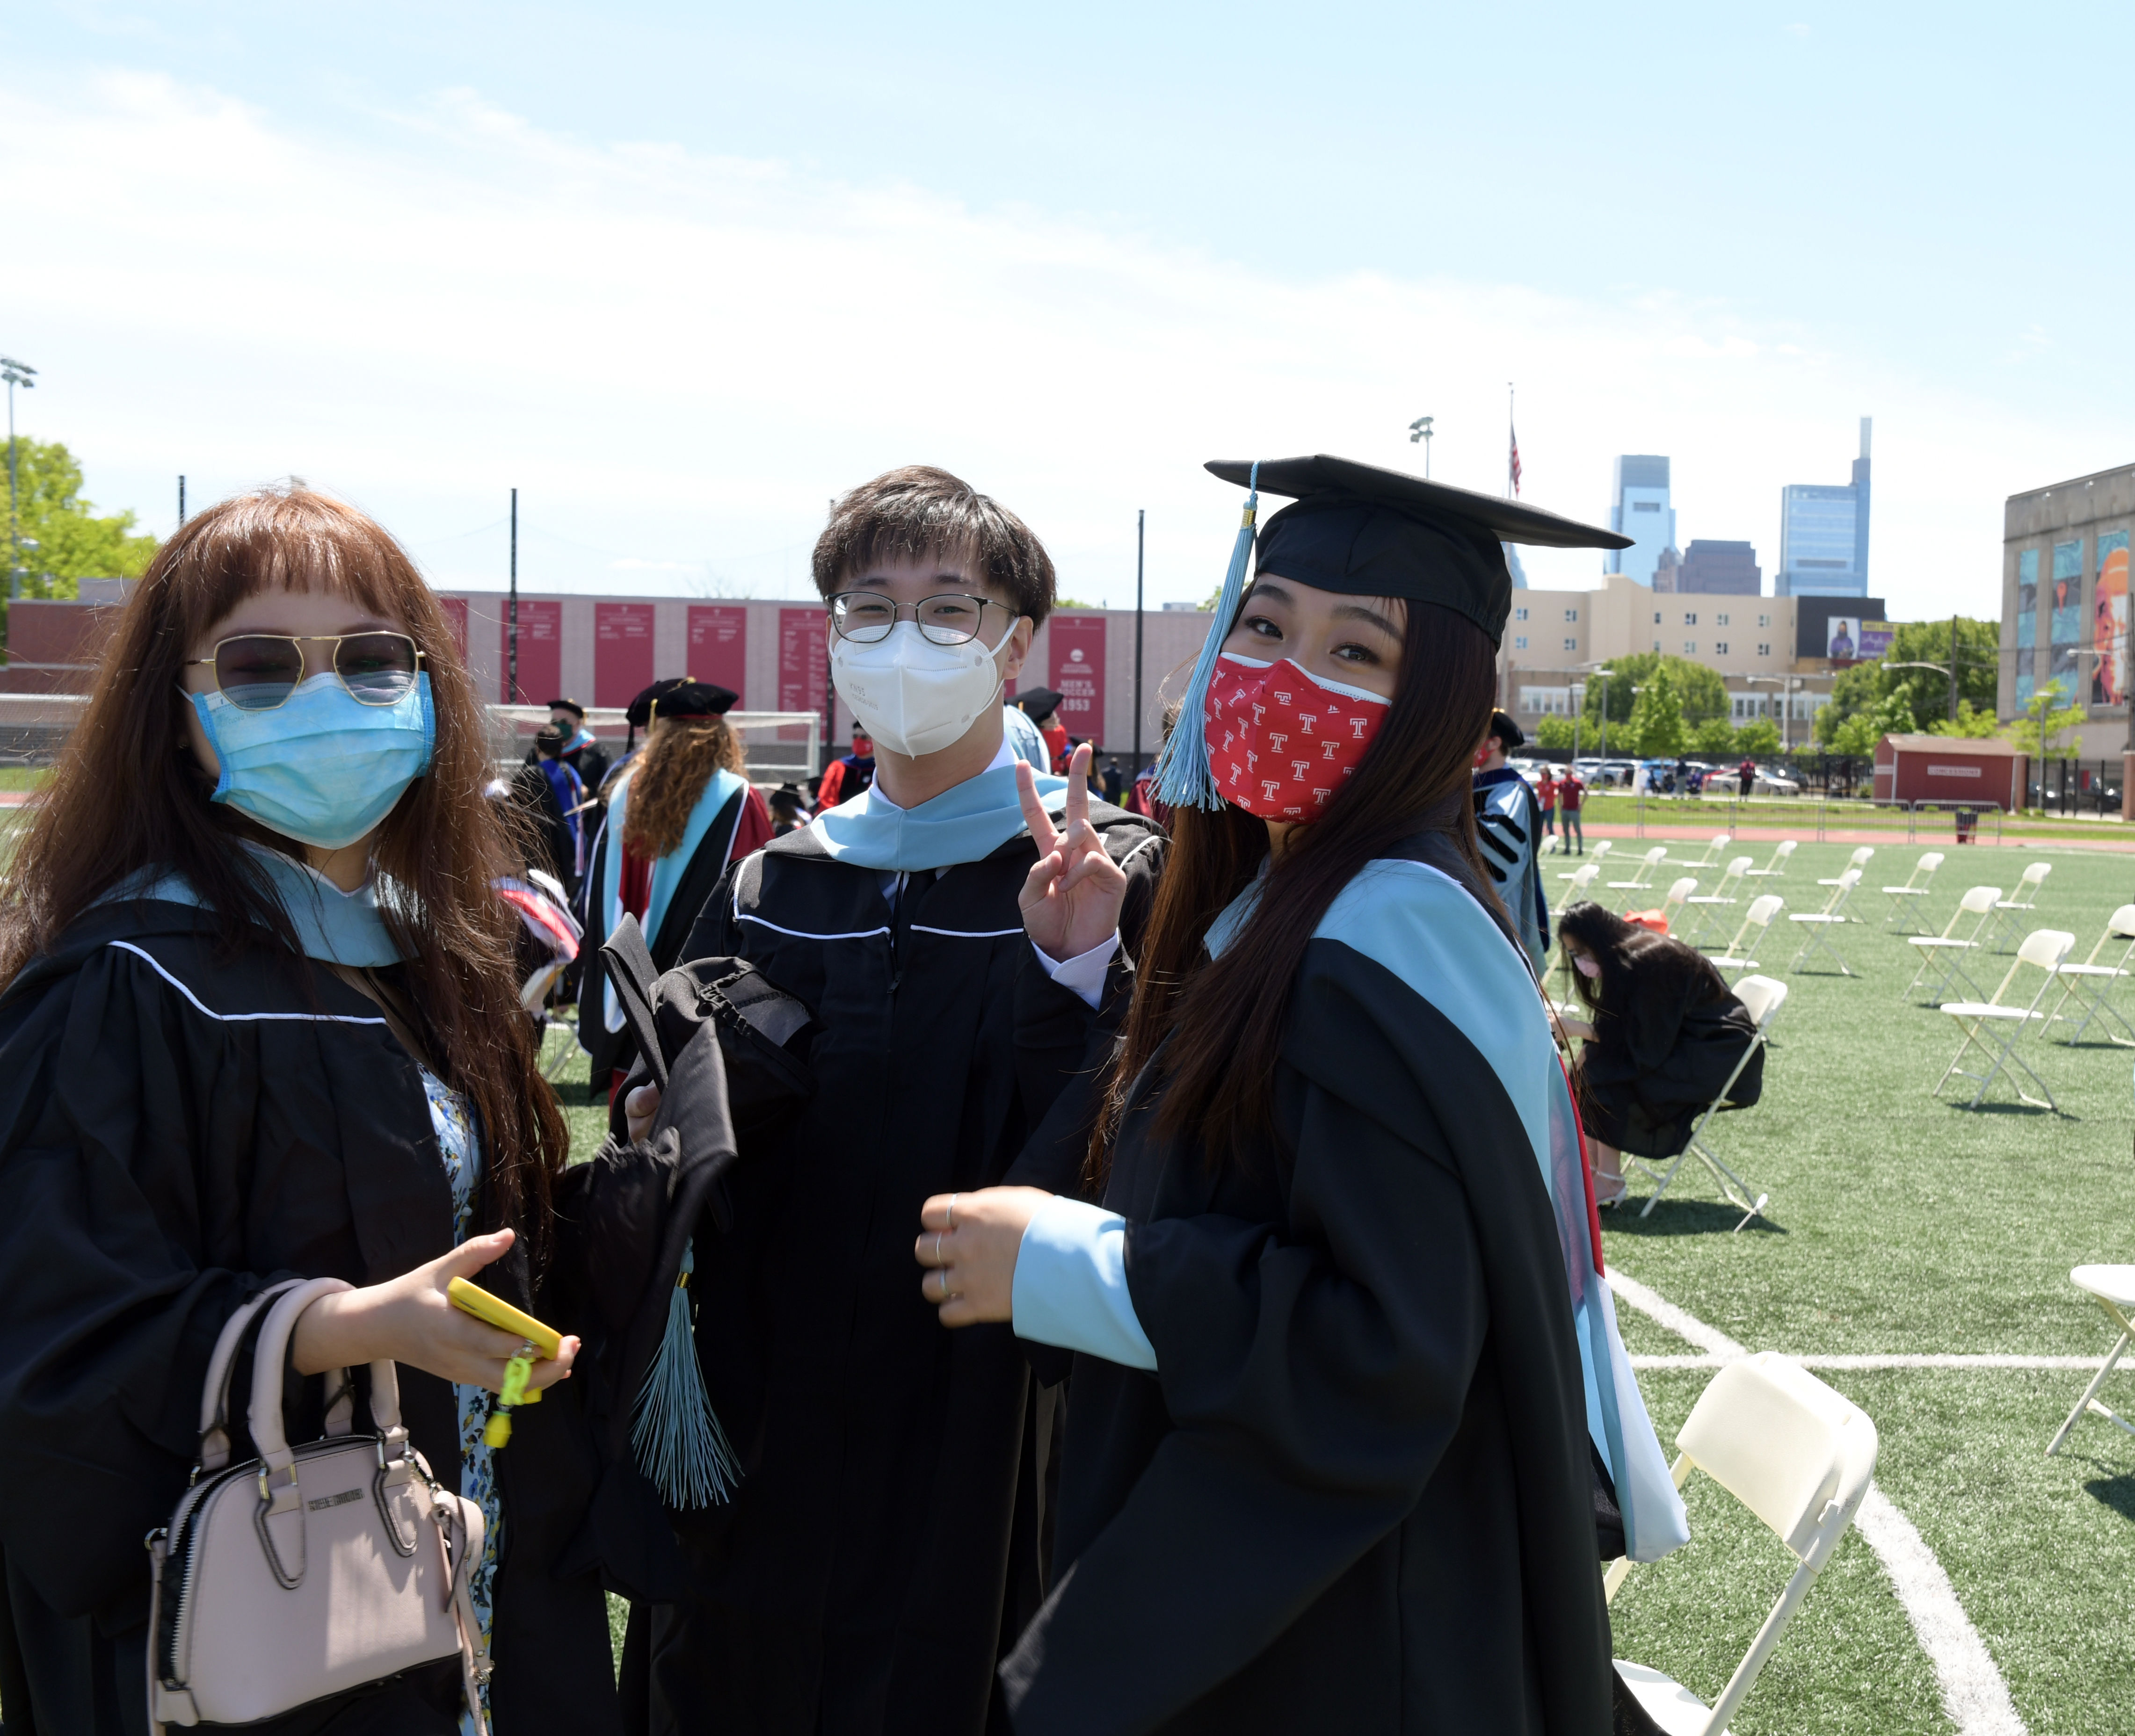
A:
{"x":178,"y":1131}
{"x":1355,"y":1497}
{"x":883,"y":1548}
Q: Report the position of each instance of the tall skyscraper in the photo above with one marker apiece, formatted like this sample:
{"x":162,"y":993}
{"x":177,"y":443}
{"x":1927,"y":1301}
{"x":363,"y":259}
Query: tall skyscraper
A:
{"x":1823,"y":534}
{"x":1641,"y":511}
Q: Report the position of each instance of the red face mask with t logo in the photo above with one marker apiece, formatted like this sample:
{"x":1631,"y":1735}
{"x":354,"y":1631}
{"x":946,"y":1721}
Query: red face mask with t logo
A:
{"x":1282,"y":742}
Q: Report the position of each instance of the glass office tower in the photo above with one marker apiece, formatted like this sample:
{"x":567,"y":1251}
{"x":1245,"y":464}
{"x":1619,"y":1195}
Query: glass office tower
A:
{"x":1823,"y":534}
{"x":1641,"y":511}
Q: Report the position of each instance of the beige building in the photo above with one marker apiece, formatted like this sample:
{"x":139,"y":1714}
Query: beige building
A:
{"x":1556,"y":639}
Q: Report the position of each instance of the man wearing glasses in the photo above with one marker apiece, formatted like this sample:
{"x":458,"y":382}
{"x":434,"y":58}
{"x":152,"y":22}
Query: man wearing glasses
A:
{"x":882,"y":1547}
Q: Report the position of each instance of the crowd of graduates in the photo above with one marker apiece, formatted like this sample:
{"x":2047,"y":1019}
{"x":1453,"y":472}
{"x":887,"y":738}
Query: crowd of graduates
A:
{"x":1079,"y":1249}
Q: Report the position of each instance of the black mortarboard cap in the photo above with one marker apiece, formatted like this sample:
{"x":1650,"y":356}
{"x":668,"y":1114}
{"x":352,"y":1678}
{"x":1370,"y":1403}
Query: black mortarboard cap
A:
{"x":1368,"y":532}
{"x":679,"y":697}
{"x":1039,"y":702}
{"x":572,"y":706}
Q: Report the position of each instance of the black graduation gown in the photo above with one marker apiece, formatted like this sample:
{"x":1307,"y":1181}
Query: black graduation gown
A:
{"x":608,"y":1049}
{"x":179,"y":1129}
{"x":1355,"y":1497}
{"x":882,"y":1547}
{"x":1662,"y":1051}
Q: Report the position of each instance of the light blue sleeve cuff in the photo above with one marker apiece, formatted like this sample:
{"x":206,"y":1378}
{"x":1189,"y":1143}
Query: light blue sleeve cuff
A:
{"x":1071,"y":1284}
{"x":1085,"y":972}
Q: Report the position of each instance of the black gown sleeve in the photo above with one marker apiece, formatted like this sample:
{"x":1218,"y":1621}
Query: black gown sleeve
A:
{"x":1314,"y":1371}
{"x":119,"y":1097}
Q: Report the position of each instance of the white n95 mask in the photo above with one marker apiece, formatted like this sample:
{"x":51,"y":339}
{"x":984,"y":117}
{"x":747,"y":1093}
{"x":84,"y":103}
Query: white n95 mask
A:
{"x":911,"y":695}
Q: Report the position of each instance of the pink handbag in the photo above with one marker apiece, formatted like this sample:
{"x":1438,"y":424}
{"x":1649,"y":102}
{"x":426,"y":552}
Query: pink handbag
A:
{"x":310,"y":1570}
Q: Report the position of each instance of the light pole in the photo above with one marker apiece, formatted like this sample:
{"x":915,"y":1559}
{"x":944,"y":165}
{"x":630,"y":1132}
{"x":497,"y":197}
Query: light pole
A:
{"x":16,"y":373}
{"x":1419,"y":429}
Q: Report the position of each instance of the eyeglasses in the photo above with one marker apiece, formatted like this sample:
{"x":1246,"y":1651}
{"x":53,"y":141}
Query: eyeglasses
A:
{"x":866,"y":616}
{"x":259,"y":671}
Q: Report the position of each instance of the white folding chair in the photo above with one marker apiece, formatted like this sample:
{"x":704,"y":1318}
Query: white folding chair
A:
{"x":1709,"y":856}
{"x":1642,"y":879}
{"x":1763,"y":997}
{"x":1705,"y":903}
{"x":2025,"y":898}
{"x":1776,"y":869}
{"x":1904,"y":900}
{"x":1593,"y":856}
{"x":1943,"y":954}
{"x":2113,"y":1289}
{"x":1859,"y":859}
{"x":2091,"y":982}
{"x":1678,"y":895}
{"x":1550,"y":845}
{"x":1816,"y":925}
{"x":1755,"y":922}
{"x":1797,"y":1455}
{"x":1994,"y":1027}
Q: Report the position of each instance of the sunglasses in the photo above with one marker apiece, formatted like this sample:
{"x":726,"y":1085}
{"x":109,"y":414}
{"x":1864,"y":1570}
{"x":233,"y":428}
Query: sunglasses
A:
{"x":259,"y":671}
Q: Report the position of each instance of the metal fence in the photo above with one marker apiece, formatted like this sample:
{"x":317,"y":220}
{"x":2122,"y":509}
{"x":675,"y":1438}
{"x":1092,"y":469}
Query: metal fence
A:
{"x":2069,"y":786}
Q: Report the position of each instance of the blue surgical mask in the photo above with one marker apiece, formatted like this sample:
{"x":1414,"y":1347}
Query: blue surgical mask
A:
{"x":322,"y":767}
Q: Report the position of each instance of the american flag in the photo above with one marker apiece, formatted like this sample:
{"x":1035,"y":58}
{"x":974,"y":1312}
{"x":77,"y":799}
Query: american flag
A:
{"x":1512,"y":463}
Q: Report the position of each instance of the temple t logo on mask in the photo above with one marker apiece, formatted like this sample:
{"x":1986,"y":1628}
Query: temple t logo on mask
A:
{"x":1248,"y":712}
{"x":322,"y":768}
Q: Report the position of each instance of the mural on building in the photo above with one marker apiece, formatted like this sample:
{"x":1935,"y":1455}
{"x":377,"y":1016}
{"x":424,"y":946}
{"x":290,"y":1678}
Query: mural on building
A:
{"x":2028,"y":623}
{"x":2066,"y":621}
{"x":2108,"y":680}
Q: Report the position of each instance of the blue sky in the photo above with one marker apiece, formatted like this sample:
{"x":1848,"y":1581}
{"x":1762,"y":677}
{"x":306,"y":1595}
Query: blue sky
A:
{"x":681,"y":274}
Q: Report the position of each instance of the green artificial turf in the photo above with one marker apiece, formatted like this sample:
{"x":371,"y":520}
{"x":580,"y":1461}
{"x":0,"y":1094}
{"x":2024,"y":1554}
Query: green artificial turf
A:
{"x":1900,"y":1223}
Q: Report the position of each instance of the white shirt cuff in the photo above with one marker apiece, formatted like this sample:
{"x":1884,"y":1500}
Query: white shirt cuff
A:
{"x":1084,"y":973}
{"x":1071,"y":1284}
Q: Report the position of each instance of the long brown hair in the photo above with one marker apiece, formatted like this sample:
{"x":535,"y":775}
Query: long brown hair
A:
{"x":672,"y":774}
{"x":1225,"y":1017}
{"x":128,"y":795}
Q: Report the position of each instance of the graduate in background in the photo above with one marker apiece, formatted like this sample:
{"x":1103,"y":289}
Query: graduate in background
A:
{"x":885,"y":1539}
{"x":1509,"y":828}
{"x":678,"y":813}
{"x":1041,"y":706}
{"x":1348,"y":1396}
{"x":582,"y":752}
{"x":1024,"y":740}
{"x":845,"y":778}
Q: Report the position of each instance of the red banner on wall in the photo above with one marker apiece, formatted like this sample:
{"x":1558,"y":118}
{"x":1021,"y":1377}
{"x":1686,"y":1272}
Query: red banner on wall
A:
{"x":719,"y":648}
{"x":1077,"y":653}
{"x":455,"y":610}
{"x":622,"y":651}
{"x":803,"y":664}
{"x":541,"y":653}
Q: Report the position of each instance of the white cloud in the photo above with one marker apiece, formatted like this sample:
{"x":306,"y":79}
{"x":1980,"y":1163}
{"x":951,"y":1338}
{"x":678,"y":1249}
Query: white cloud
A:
{"x":678,"y":358}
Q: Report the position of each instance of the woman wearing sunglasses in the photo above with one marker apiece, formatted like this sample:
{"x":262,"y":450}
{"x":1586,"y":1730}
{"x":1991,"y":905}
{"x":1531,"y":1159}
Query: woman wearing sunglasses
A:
{"x":260,"y":1021}
{"x":1348,"y":1399}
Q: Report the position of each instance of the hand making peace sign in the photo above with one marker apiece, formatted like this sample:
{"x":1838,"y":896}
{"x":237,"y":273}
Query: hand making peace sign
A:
{"x":1071,"y":903}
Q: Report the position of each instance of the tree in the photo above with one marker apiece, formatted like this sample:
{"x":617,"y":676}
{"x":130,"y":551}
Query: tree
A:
{"x":1656,"y":719}
{"x":1924,"y":693}
{"x":1715,"y":737}
{"x":73,"y":542}
{"x":1971,"y":722}
{"x":1699,"y":690}
{"x":1759,"y":738}
{"x":1554,"y":731}
{"x":2044,"y":725}
{"x":1857,"y":735}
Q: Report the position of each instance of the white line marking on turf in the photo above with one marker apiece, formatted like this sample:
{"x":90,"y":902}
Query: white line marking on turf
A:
{"x":1973,"y":1694}
{"x":2089,"y":1365}
{"x":1972,"y":1691}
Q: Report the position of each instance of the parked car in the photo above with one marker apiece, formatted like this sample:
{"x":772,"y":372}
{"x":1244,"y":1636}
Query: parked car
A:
{"x":1728,"y":781}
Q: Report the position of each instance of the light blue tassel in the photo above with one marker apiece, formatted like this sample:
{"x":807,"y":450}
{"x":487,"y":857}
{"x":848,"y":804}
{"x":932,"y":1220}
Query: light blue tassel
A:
{"x":1184,"y":778}
{"x":679,"y":1443}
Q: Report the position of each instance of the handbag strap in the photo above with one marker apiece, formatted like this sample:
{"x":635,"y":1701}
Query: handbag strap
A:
{"x":269,"y":1433}
{"x":221,"y":1365}
{"x":446,"y":1514}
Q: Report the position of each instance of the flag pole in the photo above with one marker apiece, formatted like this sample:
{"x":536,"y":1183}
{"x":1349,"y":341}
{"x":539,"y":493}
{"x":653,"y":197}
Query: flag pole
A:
{"x":1512,"y":442}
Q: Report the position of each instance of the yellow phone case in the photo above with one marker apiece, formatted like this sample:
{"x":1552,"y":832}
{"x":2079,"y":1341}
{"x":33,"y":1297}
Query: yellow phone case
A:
{"x":471,"y":1298}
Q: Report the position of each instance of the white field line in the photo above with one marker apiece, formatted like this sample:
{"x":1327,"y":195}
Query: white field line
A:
{"x":1973,"y":1694}
{"x":2087,"y":1365}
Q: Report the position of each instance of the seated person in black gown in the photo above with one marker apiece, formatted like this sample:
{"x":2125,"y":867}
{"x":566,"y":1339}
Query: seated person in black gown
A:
{"x":1664,"y":1033}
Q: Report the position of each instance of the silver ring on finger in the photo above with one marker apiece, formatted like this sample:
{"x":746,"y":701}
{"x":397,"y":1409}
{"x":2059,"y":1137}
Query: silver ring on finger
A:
{"x":937,"y":1249}
{"x":944,"y":1271}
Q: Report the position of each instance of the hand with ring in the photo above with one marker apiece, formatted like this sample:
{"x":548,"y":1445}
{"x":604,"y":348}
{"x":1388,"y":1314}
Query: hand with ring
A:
{"x":969,"y":1247}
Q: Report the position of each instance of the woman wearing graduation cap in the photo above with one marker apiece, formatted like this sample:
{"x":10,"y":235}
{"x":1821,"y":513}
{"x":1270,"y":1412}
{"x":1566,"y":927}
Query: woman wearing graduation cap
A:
{"x":1348,"y":1396}
{"x":679,"y":812}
